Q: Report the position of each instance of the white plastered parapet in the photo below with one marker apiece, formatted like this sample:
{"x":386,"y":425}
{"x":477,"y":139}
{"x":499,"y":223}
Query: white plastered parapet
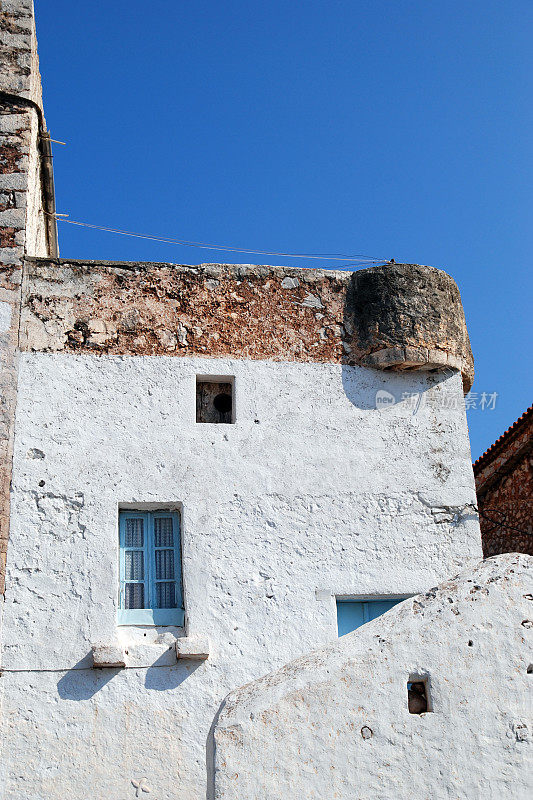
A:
{"x":336,"y":723}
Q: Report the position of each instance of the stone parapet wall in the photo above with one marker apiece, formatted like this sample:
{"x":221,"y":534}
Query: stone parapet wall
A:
{"x":398,"y":317}
{"x":22,"y":225}
{"x":165,"y":309}
{"x":19,"y":61}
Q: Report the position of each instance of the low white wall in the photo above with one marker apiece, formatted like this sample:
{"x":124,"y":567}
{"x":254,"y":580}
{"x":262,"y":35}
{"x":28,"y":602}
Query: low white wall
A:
{"x":335,"y":724}
{"x":313,"y":492}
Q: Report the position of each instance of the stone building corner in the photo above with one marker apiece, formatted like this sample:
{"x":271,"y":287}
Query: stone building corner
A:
{"x":27,"y":224}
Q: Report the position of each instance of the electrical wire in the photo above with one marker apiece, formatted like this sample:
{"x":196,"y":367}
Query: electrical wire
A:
{"x":16,"y":670}
{"x":502,"y":524}
{"x":347,"y":259}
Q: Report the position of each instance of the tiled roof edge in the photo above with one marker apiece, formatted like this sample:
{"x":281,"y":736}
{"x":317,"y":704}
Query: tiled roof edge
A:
{"x":501,"y":441}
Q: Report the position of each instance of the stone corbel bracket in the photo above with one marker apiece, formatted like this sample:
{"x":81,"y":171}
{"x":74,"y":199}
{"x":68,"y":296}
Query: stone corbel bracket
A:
{"x":108,"y":655}
{"x":409,"y":317}
{"x":194,"y":648}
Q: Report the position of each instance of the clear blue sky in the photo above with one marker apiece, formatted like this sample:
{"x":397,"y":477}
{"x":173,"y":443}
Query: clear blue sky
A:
{"x":397,"y":128}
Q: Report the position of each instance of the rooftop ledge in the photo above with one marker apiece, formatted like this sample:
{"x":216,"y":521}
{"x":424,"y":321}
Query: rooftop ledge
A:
{"x":391,"y":317}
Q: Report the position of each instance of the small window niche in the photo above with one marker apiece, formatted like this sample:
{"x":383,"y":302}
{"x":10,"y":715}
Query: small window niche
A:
{"x":418,"y":695}
{"x":215,"y":399}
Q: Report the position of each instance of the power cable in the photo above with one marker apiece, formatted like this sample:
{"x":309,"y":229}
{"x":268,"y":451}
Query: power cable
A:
{"x":351,"y":259}
{"x":503,"y":523}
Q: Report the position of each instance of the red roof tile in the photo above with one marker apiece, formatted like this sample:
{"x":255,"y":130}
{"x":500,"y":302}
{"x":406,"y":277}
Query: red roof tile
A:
{"x":499,"y":443}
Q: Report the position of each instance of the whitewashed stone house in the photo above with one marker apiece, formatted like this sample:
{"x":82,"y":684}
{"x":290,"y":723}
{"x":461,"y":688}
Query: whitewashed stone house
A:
{"x":206,"y":472}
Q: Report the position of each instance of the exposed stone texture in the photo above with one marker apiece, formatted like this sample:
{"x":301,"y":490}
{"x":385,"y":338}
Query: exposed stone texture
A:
{"x":18,"y":50}
{"x":504,"y":485}
{"x":156,"y":309}
{"x":392,"y":317}
{"x":408,"y":316}
{"x":336,"y":723}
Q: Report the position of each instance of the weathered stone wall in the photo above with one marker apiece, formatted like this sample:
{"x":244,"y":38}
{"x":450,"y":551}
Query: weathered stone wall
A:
{"x":398,"y":317}
{"x":23,"y":227}
{"x":212,"y":310}
{"x":18,"y":50}
{"x":504,"y":484}
{"x":314,"y":491}
{"x":336,"y":723}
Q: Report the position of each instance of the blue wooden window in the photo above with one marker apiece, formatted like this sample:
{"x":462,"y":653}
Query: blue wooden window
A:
{"x":150,"y":569}
{"x":351,"y":614}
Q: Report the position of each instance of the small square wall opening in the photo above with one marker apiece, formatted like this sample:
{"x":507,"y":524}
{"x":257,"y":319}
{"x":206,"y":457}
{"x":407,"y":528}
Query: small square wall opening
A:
{"x":215,"y":399}
{"x":418,"y":696}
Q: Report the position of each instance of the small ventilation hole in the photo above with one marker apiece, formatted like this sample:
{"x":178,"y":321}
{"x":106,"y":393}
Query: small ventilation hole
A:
{"x":215,"y":400}
{"x":222,"y":403}
{"x":418,"y":699}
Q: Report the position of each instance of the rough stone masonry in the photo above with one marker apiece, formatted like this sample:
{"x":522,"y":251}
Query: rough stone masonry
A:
{"x":393,"y":317}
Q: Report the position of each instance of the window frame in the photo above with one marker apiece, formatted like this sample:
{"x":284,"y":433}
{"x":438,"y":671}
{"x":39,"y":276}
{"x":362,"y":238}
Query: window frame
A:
{"x":217,"y":379}
{"x":151,"y":616}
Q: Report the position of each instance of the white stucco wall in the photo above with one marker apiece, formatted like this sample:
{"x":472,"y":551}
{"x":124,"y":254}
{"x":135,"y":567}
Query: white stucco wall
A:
{"x":313,"y":492}
{"x":335,"y":724}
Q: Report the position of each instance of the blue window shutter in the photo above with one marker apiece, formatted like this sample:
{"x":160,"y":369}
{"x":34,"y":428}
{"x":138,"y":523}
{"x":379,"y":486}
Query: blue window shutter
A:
{"x":134,"y":561}
{"x":375,"y":608}
{"x":166,"y":589}
{"x":150,"y":569}
{"x":351,"y":614}
{"x":349,"y":617}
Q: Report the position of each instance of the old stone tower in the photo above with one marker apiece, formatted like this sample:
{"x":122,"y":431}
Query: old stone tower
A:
{"x":206,"y":472}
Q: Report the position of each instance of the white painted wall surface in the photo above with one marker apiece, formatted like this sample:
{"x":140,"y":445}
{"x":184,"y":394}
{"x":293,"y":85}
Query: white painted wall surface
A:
{"x":335,"y":724}
{"x":313,"y":492}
